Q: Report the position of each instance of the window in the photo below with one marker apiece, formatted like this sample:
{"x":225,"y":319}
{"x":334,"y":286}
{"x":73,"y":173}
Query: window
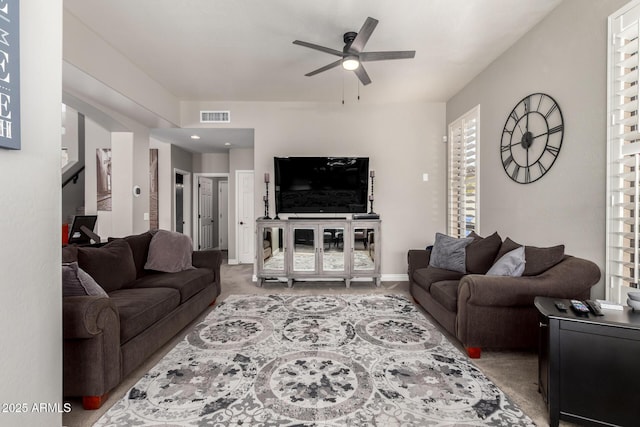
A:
{"x":464,"y":139}
{"x":623,"y":155}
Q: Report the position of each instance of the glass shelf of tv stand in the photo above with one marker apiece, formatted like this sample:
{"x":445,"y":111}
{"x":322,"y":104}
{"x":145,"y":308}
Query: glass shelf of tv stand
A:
{"x":332,"y":249}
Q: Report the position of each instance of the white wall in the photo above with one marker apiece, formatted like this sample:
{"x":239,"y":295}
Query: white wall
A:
{"x":30,"y":226}
{"x":211,"y":163}
{"x":139,"y":157}
{"x":70,"y":135}
{"x":122,"y":184}
{"x":85,"y":50}
{"x":565,"y":57}
{"x":403,"y":141}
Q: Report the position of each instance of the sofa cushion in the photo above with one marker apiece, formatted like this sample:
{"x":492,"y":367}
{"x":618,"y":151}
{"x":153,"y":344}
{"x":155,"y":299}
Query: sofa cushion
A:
{"x":510,"y":264}
{"x":111,"y":265}
{"x":139,"y":244}
{"x":169,"y":252}
{"x":538,"y":259}
{"x":481,"y":253}
{"x":425,"y":277}
{"x":446,"y":293}
{"x":141,"y":308}
{"x":449,"y":253}
{"x":188,"y":282}
{"x":77,"y":282}
{"x":69,"y":254}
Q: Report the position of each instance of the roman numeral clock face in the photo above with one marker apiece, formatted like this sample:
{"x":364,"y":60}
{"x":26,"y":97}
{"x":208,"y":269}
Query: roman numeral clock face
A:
{"x":531,"y":138}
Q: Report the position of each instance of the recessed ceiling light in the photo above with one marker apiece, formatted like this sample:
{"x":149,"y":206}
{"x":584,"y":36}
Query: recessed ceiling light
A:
{"x":227,"y":144}
{"x":195,"y":137}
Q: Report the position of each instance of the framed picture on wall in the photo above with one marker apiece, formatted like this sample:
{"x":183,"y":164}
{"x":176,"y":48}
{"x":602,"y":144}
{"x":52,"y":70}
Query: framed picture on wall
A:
{"x":103,"y":178}
{"x":153,"y":189}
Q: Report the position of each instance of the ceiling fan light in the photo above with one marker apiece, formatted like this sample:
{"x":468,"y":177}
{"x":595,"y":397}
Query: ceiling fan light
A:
{"x":350,"y":63}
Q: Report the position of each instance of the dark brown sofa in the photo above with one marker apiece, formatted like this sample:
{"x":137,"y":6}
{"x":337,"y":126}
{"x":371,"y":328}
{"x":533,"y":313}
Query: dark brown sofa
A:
{"x":106,"y":338}
{"x":496,"y":312}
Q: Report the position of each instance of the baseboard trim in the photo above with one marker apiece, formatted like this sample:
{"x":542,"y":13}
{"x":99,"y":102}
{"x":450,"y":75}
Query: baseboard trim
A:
{"x":232,"y":261}
{"x":395,"y":277}
{"x":383,"y":278}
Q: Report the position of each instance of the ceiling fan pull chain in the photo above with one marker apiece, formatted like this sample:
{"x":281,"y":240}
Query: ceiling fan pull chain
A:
{"x":343,"y":88}
{"x":358,"y":90}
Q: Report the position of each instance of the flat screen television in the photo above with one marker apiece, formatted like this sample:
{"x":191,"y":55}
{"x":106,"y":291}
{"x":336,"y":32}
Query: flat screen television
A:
{"x":321,"y":184}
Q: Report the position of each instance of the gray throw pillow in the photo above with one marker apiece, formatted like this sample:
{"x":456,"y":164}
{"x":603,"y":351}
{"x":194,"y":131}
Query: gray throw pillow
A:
{"x":77,"y":282}
{"x":449,"y":253}
{"x":169,"y":252}
{"x":510,"y":264}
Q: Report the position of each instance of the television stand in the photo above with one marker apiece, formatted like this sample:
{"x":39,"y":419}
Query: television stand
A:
{"x":316,"y":218}
{"x":318,"y":249}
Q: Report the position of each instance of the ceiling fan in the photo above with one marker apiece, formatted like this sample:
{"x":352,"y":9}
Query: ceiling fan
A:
{"x":352,"y":55}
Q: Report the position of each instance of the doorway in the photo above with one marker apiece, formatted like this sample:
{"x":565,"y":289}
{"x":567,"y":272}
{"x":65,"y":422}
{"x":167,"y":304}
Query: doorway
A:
{"x":206,"y":217}
{"x":210,"y":212}
{"x":182,"y":201}
{"x":223,"y":215}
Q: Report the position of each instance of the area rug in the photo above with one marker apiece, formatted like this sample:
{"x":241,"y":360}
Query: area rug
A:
{"x":321,"y":360}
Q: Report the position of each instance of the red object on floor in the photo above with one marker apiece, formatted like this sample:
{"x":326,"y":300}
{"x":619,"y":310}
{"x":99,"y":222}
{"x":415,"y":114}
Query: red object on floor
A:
{"x":474,"y":352}
{"x":93,"y":402}
{"x":65,"y":234}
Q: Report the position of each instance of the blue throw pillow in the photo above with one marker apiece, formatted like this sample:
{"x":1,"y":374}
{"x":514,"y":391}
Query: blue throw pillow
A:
{"x":448,"y":253}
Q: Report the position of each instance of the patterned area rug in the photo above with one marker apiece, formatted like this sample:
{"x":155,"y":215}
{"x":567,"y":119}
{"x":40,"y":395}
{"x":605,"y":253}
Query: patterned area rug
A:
{"x":279,"y":360}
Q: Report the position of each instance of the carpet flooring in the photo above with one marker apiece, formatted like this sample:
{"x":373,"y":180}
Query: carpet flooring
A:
{"x":515,"y":373}
{"x":317,"y":360}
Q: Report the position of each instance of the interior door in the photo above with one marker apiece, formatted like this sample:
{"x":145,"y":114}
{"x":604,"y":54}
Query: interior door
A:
{"x":223,"y":215}
{"x":245,"y":217}
{"x":205,"y":213}
{"x":179,"y":202}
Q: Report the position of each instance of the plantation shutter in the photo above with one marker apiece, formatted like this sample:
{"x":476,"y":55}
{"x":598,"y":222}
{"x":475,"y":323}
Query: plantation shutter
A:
{"x":464,"y":137}
{"x":623,"y":226}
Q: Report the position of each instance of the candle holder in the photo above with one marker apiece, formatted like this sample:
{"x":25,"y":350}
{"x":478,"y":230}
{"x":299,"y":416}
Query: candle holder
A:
{"x":372,"y":174}
{"x":266,"y":196}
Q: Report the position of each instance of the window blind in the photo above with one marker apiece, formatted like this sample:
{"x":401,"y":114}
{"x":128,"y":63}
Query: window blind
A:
{"x":464,"y":138}
{"x":623,"y":163}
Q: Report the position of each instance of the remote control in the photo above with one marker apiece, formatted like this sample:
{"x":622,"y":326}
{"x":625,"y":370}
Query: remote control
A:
{"x":594,"y":306}
{"x":579,"y":307}
{"x":560,"y":306}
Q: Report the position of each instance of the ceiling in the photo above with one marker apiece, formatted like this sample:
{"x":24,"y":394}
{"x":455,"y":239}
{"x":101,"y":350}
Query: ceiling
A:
{"x":210,"y":140}
{"x":242,"y":50}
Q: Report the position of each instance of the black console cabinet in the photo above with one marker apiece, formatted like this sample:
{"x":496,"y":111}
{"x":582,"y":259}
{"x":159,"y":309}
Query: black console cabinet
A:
{"x":589,"y":367}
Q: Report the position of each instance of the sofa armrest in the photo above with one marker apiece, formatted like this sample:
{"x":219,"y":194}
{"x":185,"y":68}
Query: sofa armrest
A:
{"x":91,"y":346}
{"x":571,"y":278}
{"x":417,"y":258}
{"x":209,"y":258}
{"x":88,"y":316}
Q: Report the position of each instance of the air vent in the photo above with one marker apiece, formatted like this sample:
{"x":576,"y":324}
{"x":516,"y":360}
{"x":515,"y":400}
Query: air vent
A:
{"x":215,"y":116}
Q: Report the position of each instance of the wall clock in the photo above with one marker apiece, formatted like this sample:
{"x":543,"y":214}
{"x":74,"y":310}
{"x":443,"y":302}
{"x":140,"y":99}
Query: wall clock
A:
{"x":531,"y":138}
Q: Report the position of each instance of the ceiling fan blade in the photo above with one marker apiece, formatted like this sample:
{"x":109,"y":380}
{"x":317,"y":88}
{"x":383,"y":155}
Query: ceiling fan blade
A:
{"x":363,"y":36}
{"x":320,"y":48}
{"x":362,"y":75}
{"x":383,"y":56}
{"x":325,"y":68}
